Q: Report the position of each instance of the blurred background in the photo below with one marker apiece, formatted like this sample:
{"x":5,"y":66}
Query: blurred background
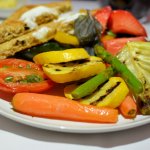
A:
{"x":140,"y":8}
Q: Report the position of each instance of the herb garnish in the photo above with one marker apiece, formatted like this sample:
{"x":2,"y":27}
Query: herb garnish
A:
{"x":87,"y":29}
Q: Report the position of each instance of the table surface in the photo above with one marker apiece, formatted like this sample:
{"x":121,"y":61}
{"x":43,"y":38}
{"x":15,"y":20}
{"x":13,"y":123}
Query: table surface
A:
{"x":15,"y":136}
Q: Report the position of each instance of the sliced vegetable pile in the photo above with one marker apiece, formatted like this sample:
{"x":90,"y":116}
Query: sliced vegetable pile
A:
{"x":100,"y":60}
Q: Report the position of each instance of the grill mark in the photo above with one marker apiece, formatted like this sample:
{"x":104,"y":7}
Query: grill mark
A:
{"x":109,"y":91}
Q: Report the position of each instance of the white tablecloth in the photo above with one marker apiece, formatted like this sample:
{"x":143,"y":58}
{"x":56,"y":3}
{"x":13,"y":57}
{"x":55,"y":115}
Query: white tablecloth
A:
{"x":15,"y":136}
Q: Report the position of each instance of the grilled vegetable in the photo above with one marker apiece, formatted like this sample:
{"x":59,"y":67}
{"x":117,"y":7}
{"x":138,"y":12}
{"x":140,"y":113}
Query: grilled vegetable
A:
{"x":87,"y":29}
{"x":111,"y":94}
{"x":115,"y":45}
{"x":102,"y":15}
{"x":61,"y":56}
{"x":91,"y":85}
{"x":73,"y":71}
{"x":28,"y":54}
{"x":136,"y":55}
{"x":124,"y":22}
{"x":65,"y":38}
{"x":134,"y":84}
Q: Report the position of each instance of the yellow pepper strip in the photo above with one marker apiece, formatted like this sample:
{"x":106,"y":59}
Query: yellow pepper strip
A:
{"x":107,"y":37}
{"x":65,"y":38}
{"x":61,"y":56}
{"x":109,"y":95}
{"x":73,"y":71}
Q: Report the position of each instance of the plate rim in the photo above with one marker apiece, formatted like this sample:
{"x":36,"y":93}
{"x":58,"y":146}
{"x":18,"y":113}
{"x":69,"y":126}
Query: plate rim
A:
{"x":26,"y":120}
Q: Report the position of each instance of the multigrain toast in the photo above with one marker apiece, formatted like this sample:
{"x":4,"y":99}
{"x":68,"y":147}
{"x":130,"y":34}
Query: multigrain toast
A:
{"x":29,"y":17}
{"x":41,"y":35}
{"x":11,"y":30}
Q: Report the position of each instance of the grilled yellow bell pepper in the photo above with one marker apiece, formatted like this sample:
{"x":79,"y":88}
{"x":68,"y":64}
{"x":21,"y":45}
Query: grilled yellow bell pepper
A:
{"x":109,"y":95}
{"x":65,"y":38}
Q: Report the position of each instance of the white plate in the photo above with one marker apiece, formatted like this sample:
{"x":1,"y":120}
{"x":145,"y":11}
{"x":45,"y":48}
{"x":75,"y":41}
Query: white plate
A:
{"x":70,"y":126}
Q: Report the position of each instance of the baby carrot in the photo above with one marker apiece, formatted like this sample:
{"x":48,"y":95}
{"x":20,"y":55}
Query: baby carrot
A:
{"x":128,"y":107}
{"x":58,"y":107}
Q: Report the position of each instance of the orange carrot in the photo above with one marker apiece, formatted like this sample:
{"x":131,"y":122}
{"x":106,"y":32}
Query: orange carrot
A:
{"x":58,"y":107}
{"x":128,"y":107}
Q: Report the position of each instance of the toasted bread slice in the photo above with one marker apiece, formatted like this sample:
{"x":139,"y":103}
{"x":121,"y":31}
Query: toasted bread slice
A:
{"x":11,"y":30}
{"x":41,"y":35}
{"x":28,"y":18}
{"x":60,"y":7}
